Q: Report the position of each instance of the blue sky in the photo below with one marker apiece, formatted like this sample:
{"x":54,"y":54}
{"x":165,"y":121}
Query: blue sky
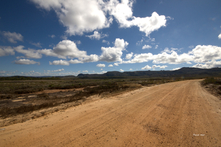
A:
{"x":68,"y":37}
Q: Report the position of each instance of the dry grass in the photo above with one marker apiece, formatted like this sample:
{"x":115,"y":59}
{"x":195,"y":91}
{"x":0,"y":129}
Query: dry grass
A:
{"x":213,"y":85}
{"x":17,"y":97}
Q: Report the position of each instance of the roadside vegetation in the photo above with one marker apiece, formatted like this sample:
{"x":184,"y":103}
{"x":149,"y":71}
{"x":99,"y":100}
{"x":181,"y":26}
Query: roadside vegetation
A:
{"x":20,"y":95}
{"x":213,"y":85}
{"x":212,"y":80}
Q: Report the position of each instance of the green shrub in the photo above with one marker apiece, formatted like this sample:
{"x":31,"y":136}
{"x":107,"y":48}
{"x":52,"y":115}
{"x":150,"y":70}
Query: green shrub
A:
{"x":210,"y":80}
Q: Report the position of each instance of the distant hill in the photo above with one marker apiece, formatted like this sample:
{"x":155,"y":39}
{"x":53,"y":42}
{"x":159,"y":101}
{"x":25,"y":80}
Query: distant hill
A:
{"x":183,"y":72}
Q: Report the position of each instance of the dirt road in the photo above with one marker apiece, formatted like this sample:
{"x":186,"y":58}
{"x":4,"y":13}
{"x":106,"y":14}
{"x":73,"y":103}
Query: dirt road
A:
{"x":173,"y":114}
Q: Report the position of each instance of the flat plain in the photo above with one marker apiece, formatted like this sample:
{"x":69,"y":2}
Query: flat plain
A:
{"x":174,"y":114}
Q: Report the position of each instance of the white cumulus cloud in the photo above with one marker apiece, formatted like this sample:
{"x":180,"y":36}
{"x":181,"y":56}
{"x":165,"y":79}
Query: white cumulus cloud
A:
{"x":156,"y":46}
{"x":219,"y":36}
{"x":75,"y":61}
{"x":59,"y":62}
{"x":78,"y":16}
{"x":204,"y":55}
{"x":146,"y":67}
{"x":159,"y":66}
{"x":50,"y":52}
{"x":146,"y":47}
{"x":13,"y":37}
{"x":140,"y":58}
{"x":176,"y":68}
{"x":210,"y":64}
{"x":123,"y":13}
{"x":116,"y":64}
{"x":26,"y":62}
{"x":90,"y":58}
{"x":172,"y":58}
{"x":161,"y":58}
{"x":129,"y":56}
{"x":52,"y":36}
{"x":113,"y":54}
{"x":110,"y":65}
{"x":58,"y":70}
{"x":38,"y":44}
{"x":150,"y":24}
{"x":100,"y":65}
{"x":29,"y":53}
{"x":68,"y":48}
{"x":6,"y":50}
{"x":105,"y":41}
{"x":97,"y":35}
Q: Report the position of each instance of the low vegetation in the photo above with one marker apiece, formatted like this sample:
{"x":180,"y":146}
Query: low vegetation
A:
{"x":212,"y":80}
{"x":213,"y":85}
{"x":20,"y":95}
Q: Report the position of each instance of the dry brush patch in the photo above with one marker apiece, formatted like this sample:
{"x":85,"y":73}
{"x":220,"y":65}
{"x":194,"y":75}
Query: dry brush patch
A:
{"x":29,"y":103}
{"x":20,"y":98}
{"x":213,"y":85}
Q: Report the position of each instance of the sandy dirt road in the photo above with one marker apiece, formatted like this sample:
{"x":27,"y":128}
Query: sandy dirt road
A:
{"x":173,"y":114}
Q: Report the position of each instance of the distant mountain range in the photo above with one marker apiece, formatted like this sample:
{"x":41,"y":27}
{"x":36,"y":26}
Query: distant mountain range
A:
{"x":183,"y":72}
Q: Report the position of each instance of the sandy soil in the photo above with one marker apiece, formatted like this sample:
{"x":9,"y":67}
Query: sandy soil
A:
{"x":173,"y":114}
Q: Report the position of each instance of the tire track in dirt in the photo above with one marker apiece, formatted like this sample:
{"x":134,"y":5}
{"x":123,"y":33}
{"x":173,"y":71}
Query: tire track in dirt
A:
{"x":173,"y":114}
